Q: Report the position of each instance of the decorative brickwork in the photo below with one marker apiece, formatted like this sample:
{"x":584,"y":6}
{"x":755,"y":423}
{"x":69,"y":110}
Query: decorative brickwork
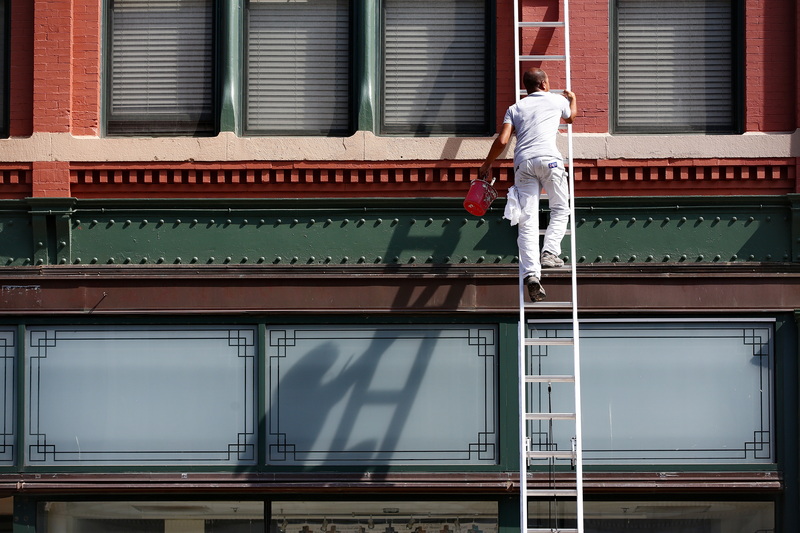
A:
{"x":15,"y":182}
{"x":444,"y":179}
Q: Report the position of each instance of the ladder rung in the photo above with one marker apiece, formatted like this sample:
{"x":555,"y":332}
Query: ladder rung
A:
{"x":551,"y":530}
{"x":555,"y":24}
{"x":550,"y":454}
{"x":549,"y":416}
{"x":550,"y":493}
{"x":524,"y":92}
{"x":550,"y":379}
{"x":545,"y":303}
{"x":544,"y":341}
{"x":543,"y":58}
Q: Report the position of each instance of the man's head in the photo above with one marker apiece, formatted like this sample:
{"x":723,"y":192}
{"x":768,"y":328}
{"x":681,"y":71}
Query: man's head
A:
{"x":535,"y":79}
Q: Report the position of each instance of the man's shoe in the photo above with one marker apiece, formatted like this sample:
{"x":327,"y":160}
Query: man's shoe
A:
{"x":551,"y":260}
{"x":535,"y":289}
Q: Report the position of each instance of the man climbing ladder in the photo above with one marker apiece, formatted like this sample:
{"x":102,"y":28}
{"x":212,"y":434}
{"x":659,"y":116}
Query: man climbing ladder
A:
{"x":537,"y":164}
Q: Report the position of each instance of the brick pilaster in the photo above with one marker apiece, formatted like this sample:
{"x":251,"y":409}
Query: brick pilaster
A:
{"x":52,"y":65}
{"x":50,"y":179}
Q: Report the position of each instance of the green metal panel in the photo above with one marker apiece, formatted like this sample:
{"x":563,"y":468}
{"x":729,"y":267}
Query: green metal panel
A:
{"x":684,"y":234}
{"x":385,"y":232}
{"x":24,"y":515}
{"x":288,"y":237}
{"x":16,"y":237}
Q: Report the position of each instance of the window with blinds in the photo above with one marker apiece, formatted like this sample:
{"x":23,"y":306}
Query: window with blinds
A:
{"x":161,"y":67}
{"x":435,"y":67}
{"x":675,"y":66}
{"x":298,"y":67}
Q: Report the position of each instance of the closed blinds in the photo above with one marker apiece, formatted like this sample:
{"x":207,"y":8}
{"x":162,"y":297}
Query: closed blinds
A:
{"x":435,"y":61}
{"x":161,"y":67}
{"x":298,"y":67}
{"x":675,"y":66}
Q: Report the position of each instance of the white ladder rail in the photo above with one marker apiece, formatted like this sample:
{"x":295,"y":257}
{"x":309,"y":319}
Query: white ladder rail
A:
{"x":524,"y":442}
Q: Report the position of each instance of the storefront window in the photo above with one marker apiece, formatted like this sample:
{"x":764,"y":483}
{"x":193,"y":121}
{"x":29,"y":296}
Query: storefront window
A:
{"x":384,"y":517}
{"x":382,"y":395}
{"x":658,"y":516}
{"x":663,"y":392}
{"x":152,"y":516}
{"x":154,"y":395}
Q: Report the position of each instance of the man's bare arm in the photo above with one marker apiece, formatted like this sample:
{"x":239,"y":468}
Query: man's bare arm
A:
{"x":573,"y":106}
{"x":497,"y":148}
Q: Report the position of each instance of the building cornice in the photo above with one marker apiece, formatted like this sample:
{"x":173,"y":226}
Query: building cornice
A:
{"x":365,"y":146}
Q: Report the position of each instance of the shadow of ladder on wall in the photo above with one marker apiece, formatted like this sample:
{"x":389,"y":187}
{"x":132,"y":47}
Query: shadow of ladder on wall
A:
{"x":564,"y":467}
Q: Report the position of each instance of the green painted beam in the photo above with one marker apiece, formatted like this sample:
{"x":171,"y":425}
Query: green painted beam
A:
{"x":287,"y":238}
{"x":384,"y":231}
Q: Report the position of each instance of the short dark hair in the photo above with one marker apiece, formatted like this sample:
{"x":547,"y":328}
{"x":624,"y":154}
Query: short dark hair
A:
{"x":533,"y":79}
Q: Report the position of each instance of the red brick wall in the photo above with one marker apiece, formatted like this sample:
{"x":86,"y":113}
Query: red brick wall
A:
{"x":49,"y":179}
{"x":770,"y":75}
{"x":590,"y":63}
{"x":52,"y":60}
{"x":589,"y":44}
{"x":771,"y":51}
{"x":86,"y":68}
{"x":504,"y":58}
{"x":21,"y":69}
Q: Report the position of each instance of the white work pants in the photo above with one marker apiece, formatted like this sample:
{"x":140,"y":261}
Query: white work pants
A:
{"x":530,"y":177}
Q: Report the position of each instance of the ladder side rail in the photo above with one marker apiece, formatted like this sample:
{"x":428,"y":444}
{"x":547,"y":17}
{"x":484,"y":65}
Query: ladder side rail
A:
{"x":517,"y":81}
{"x":574,"y":282}
{"x":523,"y":407}
{"x":522,"y":394}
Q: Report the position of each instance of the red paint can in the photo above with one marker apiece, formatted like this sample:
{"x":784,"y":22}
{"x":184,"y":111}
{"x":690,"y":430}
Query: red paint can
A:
{"x":480,"y":196}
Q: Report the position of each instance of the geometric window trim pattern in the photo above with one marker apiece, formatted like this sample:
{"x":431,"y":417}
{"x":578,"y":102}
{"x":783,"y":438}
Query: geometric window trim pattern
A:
{"x":141,"y":395}
{"x":667,"y":393}
{"x":8,"y":350}
{"x":382,"y":395}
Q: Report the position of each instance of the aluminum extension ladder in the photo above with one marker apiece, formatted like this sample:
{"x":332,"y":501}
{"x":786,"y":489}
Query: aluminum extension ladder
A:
{"x":560,"y":487}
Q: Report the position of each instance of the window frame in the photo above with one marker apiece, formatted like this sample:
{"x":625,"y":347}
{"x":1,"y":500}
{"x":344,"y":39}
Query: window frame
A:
{"x":356,"y":40}
{"x":737,"y":85}
{"x":594,"y":459}
{"x":137,"y":126}
{"x":418,"y":130}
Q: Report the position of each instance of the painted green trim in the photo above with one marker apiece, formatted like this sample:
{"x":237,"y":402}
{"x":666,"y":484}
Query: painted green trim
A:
{"x":19,"y":397}
{"x":24,"y":514}
{"x":366,"y":42}
{"x":261,"y":421}
{"x":794,"y":200}
{"x":230,"y":67}
{"x":508,"y":371}
{"x":508,"y":511}
{"x":787,"y":334}
{"x":382,"y":231}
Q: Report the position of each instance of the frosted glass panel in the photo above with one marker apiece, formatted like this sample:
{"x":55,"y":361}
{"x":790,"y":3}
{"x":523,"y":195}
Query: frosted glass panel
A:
{"x":665,"y":392}
{"x":126,"y":395}
{"x":382,"y":395}
{"x":8,"y":349}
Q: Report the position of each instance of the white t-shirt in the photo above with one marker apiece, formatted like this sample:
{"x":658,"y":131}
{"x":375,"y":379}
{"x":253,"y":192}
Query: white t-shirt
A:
{"x":535,"y":119}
